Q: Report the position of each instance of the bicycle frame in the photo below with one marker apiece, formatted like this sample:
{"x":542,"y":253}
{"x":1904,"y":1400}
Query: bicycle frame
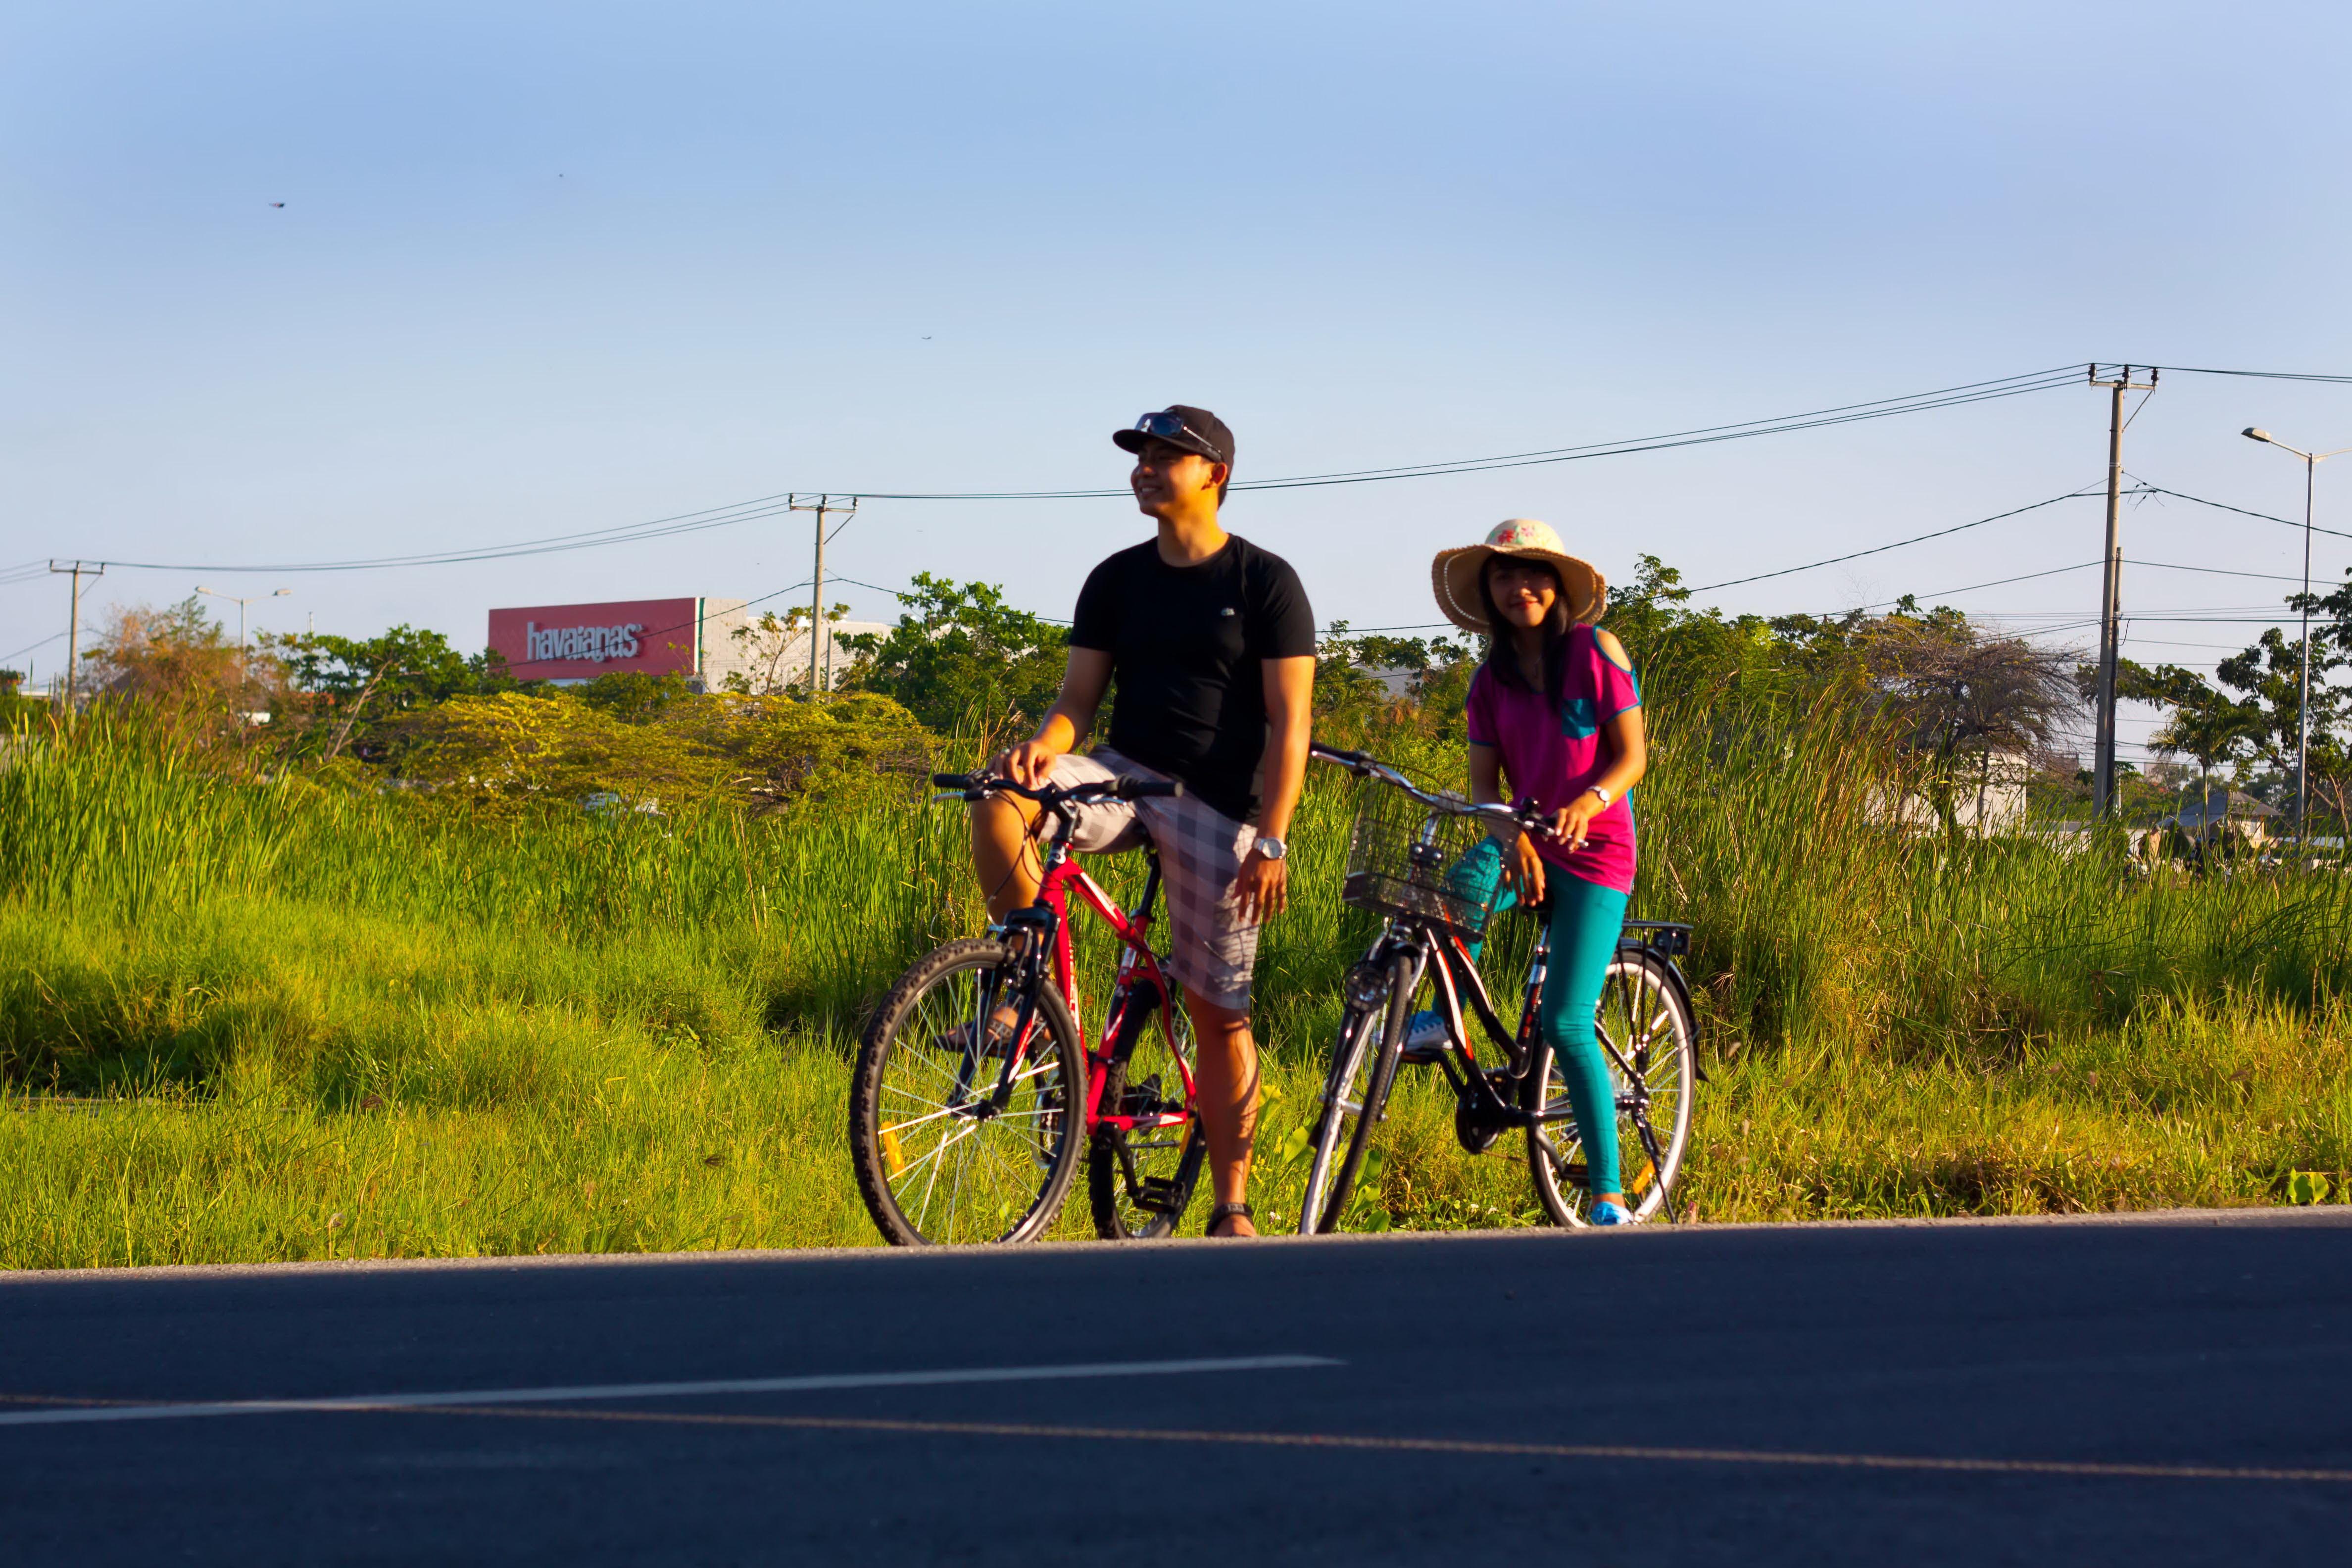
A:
{"x":1457,"y":982}
{"x":1138,"y":967}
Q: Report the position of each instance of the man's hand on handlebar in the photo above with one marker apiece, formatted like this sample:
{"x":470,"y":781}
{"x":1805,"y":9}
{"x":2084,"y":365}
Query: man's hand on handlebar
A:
{"x":1029,"y":765}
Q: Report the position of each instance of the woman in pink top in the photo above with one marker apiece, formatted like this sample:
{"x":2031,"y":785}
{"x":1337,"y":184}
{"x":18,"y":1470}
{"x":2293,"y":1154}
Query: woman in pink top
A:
{"x":1555,"y":710}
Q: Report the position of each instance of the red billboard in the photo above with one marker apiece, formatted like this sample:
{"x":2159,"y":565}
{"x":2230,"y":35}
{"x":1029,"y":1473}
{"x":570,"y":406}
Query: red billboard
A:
{"x":581,"y":642}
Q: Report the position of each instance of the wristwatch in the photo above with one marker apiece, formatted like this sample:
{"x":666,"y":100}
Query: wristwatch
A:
{"x":1270,"y":846}
{"x":1602,"y":792}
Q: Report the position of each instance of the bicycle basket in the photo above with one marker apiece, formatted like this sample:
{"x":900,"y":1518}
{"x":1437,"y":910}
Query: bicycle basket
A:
{"x":1409,"y":860}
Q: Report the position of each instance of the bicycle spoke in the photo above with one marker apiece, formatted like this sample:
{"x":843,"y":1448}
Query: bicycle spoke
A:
{"x":931,"y":1183}
{"x":948,"y":1140}
{"x":898,"y":1128}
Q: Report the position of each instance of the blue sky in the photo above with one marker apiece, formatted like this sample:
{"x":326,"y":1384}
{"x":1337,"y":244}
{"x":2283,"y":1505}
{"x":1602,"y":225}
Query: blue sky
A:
{"x":546,"y":268}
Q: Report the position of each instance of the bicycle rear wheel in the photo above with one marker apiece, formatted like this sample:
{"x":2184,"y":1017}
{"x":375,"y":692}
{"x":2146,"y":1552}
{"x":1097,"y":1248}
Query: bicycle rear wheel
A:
{"x":945,"y":1150}
{"x":1139,"y":1180}
{"x":1355,"y":1093}
{"x":1645,"y":1016}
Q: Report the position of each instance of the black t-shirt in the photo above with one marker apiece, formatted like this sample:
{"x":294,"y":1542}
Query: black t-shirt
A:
{"x":1185,"y":646}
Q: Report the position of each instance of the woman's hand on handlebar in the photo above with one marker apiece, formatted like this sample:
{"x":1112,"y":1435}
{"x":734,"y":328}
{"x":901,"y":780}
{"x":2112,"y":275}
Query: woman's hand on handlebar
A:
{"x":1526,"y":869}
{"x":1572,"y":821}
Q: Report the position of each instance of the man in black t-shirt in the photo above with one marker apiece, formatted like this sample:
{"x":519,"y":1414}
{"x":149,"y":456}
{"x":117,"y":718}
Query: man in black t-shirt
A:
{"x":1212,"y":645}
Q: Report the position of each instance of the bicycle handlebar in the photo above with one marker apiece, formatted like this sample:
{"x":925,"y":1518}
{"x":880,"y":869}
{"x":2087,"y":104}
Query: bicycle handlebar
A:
{"x":1526,"y":819}
{"x":979,"y":786}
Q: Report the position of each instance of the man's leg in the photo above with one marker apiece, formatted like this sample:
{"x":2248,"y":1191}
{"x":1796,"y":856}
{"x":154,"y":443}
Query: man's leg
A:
{"x":1004,"y":855}
{"x":1224,"y":1075}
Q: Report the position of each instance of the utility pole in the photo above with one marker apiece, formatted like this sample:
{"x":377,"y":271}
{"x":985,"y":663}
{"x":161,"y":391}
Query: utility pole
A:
{"x":821,"y":506}
{"x":2103,"y":800}
{"x":73,"y":620}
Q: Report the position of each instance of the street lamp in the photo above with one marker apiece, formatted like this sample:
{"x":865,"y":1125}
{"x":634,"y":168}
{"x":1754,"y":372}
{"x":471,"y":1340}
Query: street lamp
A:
{"x":241,"y":604}
{"x":2311,"y":461}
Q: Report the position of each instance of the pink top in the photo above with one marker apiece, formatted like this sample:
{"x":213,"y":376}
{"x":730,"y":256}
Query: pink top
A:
{"x":1551,"y":756}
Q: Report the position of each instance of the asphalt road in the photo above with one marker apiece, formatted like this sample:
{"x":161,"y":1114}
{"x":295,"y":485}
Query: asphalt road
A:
{"x":2174,"y":1389}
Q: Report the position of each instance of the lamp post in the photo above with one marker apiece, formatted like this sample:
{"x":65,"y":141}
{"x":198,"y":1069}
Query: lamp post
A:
{"x":2311,"y":461}
{"x":241,"y":604}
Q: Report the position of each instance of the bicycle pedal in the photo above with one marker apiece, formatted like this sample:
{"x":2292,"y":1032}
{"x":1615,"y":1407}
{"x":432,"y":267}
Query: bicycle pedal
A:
{"x":1155,"y":1195}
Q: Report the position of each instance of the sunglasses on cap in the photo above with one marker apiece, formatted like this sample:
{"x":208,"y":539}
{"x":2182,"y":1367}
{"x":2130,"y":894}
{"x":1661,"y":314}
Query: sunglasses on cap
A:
{"x":1165,"y":424}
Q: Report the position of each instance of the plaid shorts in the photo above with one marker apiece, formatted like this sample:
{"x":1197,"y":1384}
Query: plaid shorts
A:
{"x":1209,"y":952}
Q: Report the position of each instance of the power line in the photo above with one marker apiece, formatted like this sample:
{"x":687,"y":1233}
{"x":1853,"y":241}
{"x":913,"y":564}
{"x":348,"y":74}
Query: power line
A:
{"x":771,"y":505}
{"x":2215,"y":570}
{"x":2146,"y":488}
{"x":31,"y":646}
{"x":1882,"y":549}
{"x":762,"y":507}
{"x":2258,"y":375}
{"x":1997,"y":582}
{"x":1880,"y":409}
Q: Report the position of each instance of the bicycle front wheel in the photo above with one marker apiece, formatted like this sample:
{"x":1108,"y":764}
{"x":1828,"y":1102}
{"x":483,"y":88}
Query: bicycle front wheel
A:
{"x":1646,"y":1017}
{"x":1355,"y":1095}
{"x":948,"y":1145}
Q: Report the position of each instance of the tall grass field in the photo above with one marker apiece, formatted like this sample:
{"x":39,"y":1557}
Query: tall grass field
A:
{"x":249,"y":1017}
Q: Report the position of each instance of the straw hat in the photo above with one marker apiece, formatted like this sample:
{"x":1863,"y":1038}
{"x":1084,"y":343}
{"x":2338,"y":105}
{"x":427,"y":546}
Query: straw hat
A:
{"x":1454,"y":574}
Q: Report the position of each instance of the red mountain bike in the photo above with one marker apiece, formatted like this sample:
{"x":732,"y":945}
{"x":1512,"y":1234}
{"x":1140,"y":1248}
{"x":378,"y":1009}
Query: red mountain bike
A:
{"x":974,"y":1087}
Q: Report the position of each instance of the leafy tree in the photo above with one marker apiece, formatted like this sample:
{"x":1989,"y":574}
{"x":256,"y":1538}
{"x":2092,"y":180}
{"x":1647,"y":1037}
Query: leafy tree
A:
{"x":2331,"y":748}
{"x":1957,"y":698}
{"x":767,"y":641}
{"x":780,"y":750}
{"x":516,"y":751}
{"x":2269,"y":674}
{"x":179,"y":663}
{"x":1743,"y":661}
{"x":961,"y":657}
{"x":353,"y":680}
{"x":2201,"y":724}
{"x":512,"y":750}
{"x":633,"y":696}
{"x":1352,"y":701}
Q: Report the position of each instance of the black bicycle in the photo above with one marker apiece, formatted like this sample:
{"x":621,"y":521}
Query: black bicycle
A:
{"x":1414,"y":859}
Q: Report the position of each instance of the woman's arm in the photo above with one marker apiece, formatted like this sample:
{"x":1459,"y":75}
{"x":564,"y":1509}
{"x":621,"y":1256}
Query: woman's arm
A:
{"x":1486,"y":774}
{"x":1629,"y":745}
{"x":1521,"y":863}
{"x":1630,"y":742}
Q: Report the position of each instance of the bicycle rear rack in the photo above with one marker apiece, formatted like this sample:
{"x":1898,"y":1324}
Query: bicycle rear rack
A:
{"x":1671,"y":938}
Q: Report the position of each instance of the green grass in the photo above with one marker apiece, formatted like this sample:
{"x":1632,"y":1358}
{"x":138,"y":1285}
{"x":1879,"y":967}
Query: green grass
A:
{"x":248,"y":1018}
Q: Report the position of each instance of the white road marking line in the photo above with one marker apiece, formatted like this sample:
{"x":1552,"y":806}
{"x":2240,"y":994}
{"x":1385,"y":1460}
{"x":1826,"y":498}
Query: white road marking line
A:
{"x":179,"y":1412}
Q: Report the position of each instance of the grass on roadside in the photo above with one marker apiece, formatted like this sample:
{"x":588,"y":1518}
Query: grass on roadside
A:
{"x":275,"y":1002}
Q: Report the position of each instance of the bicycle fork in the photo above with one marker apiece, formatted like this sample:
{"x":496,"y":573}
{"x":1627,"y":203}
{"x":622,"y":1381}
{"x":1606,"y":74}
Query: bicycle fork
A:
{"x":1030,"y":932}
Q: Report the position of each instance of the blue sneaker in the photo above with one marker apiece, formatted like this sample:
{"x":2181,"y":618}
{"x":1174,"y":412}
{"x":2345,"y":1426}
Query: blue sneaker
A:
{"x":1424,"y":1036}
{"x":1606,"y":1212}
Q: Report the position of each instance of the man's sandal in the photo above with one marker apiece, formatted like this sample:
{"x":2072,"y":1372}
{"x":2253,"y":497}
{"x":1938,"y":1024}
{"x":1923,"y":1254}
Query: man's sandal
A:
{"x":1000,"y":1035}
{"x":1224,"y":1212}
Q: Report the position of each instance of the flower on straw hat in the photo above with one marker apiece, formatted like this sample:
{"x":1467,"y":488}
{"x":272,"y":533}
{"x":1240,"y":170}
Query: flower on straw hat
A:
{"x":1454,"y":574}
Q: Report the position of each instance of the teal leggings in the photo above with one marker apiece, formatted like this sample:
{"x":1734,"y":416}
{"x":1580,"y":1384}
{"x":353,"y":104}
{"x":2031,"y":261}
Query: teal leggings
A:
{"x":1586,"y":921}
